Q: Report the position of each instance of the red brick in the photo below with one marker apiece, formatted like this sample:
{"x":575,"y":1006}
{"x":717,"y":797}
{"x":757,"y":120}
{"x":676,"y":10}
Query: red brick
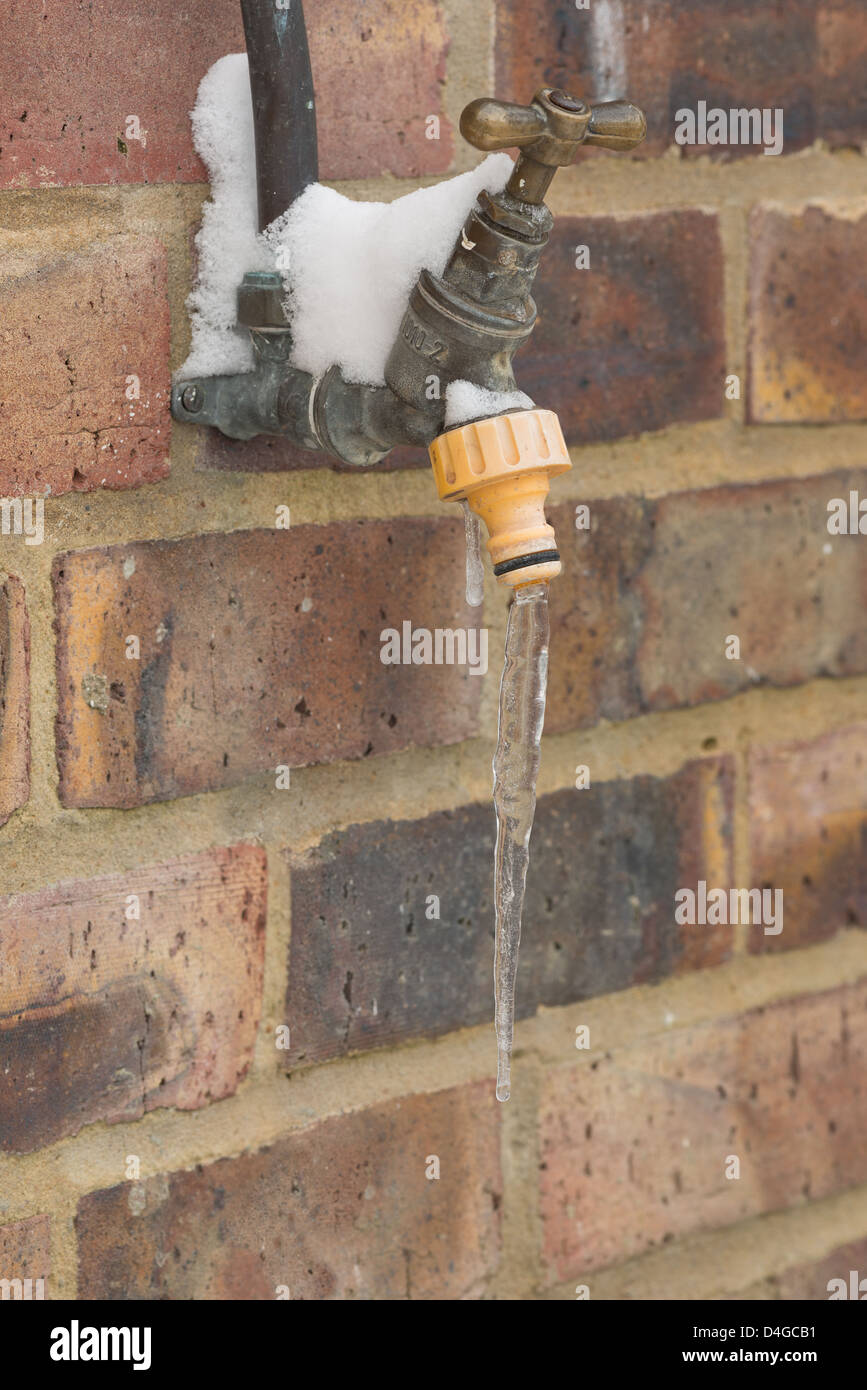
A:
{"x":634,"y":1145}
{"x":808,"y":834}
{"x":25,"y":1249}
{"x":342,"y":1210}
{"x":73,"y":330}
{"x":810,"y":1280}
{"x":368,"y":968}
{"x":14,"y":698}
{"x":648,"y":597}
{"x":637,"y":340}
{"x":72,"y":71}
{"x":805,"y":57}
{"x":105,"y":1018}
{"x":393,"y":52}
{"x":808,"y":318}
{"x":258,"y":649}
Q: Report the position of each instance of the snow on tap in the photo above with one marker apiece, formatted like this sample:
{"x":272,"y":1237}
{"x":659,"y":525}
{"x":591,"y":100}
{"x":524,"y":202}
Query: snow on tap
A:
{"x":348,"y":267}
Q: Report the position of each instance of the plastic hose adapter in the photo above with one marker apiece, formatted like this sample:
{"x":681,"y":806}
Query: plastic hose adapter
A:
{"x":501,"y":466}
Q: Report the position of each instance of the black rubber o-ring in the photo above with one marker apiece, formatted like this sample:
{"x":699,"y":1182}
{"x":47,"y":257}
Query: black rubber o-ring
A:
{"x":521,"y":562}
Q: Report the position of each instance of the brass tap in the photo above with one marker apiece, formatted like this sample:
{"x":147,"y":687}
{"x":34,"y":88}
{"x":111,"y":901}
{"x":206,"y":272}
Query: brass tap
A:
{"x":549,"y":133}
{"x":464,"y":325}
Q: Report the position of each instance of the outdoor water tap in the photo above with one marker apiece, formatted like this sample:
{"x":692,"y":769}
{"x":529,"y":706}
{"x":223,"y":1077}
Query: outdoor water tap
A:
{"x":465,"y":325}
{"x":482,"y":311}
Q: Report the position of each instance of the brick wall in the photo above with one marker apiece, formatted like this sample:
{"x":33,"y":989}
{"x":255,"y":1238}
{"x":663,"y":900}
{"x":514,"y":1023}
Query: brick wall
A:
{"x":168,"y":911}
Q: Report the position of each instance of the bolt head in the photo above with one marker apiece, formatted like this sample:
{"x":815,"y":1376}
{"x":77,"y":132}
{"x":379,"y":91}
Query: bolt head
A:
{"x":566,"y":103}
{"x":192,"y":399}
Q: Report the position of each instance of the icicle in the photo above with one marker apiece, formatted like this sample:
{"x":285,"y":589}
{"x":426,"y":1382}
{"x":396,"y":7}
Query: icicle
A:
{"x":516,"y":768}
{"x":475,"y":568}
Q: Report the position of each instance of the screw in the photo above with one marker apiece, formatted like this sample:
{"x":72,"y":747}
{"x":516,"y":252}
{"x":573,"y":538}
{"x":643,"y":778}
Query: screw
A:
{"x":192,"y":399}
{"x":566,"y":103}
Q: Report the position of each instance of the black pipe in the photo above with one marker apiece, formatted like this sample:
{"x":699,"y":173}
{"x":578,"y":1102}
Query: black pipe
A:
{"x":284,"y":114}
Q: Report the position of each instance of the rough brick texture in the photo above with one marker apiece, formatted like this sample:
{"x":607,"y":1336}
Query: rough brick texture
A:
{"x":635,"y":1144}
{"x":84,"y":369}
{"x":808,"y":833}
{"x":25,"y":1249}
{"x":343,"y":1210}
{"x":808,"y":317}
{"x":368,"y":967}
{"x":14,"y":697}
{"x":805,"y":57}
{"x":649,"y":596}
{"x":105,"y":1016}
{"x":72,"y":72}
{"x":258,"y":649}
{"x":636,"y":341}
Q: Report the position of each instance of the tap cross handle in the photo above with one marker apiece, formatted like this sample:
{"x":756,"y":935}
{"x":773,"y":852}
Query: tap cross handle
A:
{"x":549,"y":133}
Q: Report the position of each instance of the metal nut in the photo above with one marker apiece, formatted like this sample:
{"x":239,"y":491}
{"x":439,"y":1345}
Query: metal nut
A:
{"x":566,"y":103}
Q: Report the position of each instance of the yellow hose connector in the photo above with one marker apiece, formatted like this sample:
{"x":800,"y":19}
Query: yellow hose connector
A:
{"x":501,"y":466}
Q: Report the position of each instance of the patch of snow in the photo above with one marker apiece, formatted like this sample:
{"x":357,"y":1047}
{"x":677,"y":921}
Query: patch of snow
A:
{"x":464,"y":401}
{"x":351,"y":266}
{"x":348,"y":267}
{"x":228,"y":242}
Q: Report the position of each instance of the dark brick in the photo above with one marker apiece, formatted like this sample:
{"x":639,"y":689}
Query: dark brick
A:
{"x":14,"y":698}
{"x":597,"y":613}
{"x":368,"y":968}
{"x":71,"y":74}
{"x":803,"y":56}
{"x":637,"y":341}
{"x":236,"y":675}
{"x":808,"y":834}
{"x":74,"y":330}
{"x":634,"y":1144}
{"x":105,"y":1018}
{"x":841,"y":94}
{"x":808,"y":317}
{"x":648,"y":597}
{"x":342,"y":1210}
